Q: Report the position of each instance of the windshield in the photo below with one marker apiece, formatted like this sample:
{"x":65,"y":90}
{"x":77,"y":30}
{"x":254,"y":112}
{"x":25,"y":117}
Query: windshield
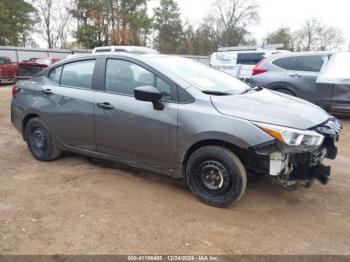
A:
{"x":202,"y":76}
{"x":3,"y":60}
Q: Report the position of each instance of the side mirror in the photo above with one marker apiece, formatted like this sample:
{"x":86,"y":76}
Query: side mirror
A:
{"x":149,"y":94}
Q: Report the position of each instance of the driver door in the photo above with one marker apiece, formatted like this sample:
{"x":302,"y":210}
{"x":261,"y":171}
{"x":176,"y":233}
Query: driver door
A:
{"x":132,"y":129}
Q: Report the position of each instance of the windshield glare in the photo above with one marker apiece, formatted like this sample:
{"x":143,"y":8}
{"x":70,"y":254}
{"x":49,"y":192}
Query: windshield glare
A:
{"x":203,"y":77}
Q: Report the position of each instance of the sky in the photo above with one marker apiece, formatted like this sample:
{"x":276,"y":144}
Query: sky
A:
{"x":275,"y":13}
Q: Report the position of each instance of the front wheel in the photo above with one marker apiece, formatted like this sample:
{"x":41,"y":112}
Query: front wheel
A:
{"x":41,"y":141}
{"x":216,"y":176}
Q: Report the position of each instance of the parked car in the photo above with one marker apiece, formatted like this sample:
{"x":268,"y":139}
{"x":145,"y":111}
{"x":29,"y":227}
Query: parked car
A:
{"x":128,"y":49}
{"x":8,"y":71}
{"x":335,"y":76}
{"x":296,"y":74}
{"x":176,"y":117}
{"x":240,"y":63}
{"x":44,"y":60}
{"x":27,"y":69}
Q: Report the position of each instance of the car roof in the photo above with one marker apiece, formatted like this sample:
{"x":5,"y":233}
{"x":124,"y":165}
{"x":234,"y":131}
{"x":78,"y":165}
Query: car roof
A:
{"x":111,"y":54}
{"x":297,"y":54}
{"x":129,"y":49}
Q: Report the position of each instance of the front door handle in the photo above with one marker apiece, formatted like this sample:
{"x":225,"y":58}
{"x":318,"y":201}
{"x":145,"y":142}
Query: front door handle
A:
{"x":47,"y":92}
{"x":105,"y":106}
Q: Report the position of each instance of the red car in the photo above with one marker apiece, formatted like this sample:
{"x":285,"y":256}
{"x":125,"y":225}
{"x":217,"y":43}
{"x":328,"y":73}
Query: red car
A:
{"x":27,"y":69}
{"x":8,"y":71}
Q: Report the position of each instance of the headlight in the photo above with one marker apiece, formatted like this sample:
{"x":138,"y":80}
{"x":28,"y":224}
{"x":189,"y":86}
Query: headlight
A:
{"x":293,"y":137}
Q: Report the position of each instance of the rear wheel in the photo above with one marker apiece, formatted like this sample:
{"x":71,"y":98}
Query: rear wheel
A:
{"x":41,"y":141}
{"x":216,"y":176}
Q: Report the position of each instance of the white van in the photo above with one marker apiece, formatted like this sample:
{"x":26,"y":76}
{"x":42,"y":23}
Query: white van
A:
{"x":239,"y":63}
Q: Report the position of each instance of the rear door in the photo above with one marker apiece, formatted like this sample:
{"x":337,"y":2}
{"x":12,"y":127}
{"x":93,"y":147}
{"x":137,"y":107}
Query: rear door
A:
{"x":132,"y":129}
{"x":69,"y":105}
{"x":303,"y":76}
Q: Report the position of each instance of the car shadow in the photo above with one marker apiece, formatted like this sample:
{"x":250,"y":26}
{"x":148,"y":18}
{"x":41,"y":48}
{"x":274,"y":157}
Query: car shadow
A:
{"x":256,"y":183}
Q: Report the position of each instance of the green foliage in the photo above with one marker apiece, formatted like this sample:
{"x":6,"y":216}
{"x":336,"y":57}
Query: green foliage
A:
{"x":106,"y":22}
{"x":283,"y":36}
{"x":89,"y":35}
{"x":16,"y":17}
{"x":168,"y":25}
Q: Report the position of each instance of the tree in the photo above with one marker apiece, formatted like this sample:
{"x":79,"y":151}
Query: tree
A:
{"x":168,"y":25}
{"x":314,"y":35}
{"x":233,"y":18}
{"x":309,"y":32}
{"x":206,"y":38}
{"x":54,"y":21}
{"x":330,"y":38}
{"x":282,"y":35}
{"x":117,"y":22}
{"x":16,"y":19}
{"x":93,"y":22}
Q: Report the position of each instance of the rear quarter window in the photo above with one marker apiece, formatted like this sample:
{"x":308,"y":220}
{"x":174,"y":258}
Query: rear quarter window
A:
{"x":55,"y":74}
{"x":284,"y":63}
{"x":308,"y":63}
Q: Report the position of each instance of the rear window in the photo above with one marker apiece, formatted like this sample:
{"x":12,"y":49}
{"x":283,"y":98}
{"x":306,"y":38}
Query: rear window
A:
{"x":308,"y":63}
{"x":249,"y":58}
{"x":284,"y":63}
{"x":3,"y":60}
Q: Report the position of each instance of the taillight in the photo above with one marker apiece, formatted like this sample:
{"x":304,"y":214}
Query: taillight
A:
{"x":257,"y":70}
{"x":15,"y":90}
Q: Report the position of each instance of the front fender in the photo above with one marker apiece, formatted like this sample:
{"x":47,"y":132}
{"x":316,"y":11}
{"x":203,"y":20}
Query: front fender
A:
{"x":238,"y":132}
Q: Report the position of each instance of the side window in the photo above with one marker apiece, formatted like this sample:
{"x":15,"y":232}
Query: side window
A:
{"x":165,"y":88}
{"x":55,"y":74}
{"x":308,"y":63}
{"x":284,"y":63}
{"x":78,"y":74}
{"x":123,"y":77}
{"x":249,"y":58}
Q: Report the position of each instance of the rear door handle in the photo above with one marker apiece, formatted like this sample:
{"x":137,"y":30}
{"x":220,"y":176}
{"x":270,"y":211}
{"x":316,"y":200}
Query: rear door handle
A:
{"x":47,"y":92}
{"x":105,"y":106}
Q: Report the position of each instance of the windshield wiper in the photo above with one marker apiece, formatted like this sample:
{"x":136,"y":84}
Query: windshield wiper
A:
{"x":256,"y":88}
{"x":215,"y":93}
{"x":246,"y":91}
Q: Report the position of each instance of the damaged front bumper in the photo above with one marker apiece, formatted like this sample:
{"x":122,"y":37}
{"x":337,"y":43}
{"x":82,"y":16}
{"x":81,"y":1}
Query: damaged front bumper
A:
{"x":290,"y":166}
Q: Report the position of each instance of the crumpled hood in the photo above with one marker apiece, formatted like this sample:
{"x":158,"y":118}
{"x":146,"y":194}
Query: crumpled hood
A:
{"x":271,"y":107}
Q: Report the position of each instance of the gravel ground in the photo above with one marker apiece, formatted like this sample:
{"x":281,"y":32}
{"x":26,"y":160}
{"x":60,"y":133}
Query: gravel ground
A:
{"x":77,"y":206}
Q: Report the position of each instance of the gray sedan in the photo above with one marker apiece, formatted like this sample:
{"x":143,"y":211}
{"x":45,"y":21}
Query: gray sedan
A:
{"x":176,"y":117}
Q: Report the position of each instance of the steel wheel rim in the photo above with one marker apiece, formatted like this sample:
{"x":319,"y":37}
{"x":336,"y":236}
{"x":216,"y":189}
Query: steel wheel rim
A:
{"x":38,"y":140}
{"x":212,"y":177}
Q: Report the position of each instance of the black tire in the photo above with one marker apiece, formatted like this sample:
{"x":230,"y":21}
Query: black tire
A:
{"x":285,"y":91}
{"x":40,"y":140}
{"x":216,"y":176}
